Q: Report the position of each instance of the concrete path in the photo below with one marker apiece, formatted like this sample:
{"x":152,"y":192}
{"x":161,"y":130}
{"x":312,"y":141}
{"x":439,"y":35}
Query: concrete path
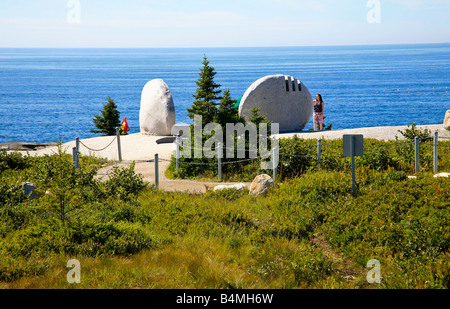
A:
{"x":380,"y":133}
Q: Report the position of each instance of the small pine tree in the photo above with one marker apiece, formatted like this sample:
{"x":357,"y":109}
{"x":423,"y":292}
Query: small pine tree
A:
{"x":206,"y":95}
{"x":256,"y":118}
{"x":226,"y":112}
{"x":109,"y":120}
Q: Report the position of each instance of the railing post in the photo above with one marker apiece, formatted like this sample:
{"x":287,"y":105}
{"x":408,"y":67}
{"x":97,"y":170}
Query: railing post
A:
{"x":119,"y":149}
{"x":417,"y":154}
{"x":77,"y":145}
{"x":275,"y":163}
{"x":156,"y":171}
{"x":74,"y":157}
{"x":177,"y":142}
{"x":319,"y":150}
{"x":352,"y":146}
{"x":435,"y":153}
{"x":219,"y":160}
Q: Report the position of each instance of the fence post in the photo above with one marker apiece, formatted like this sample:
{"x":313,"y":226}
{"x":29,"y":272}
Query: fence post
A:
{"x":352,"y":147}
{"x":156,"y":171}
{"x":319,"y":150}
{"x":435,"y":153}
{"x":275,"y":164}
{"x":219,"y":160}
{"x":75,"y":158}
{"x":417,"y":155}
{"x":177,"y":143}
{"x":119,"y":149}
{"x":77,"y":145}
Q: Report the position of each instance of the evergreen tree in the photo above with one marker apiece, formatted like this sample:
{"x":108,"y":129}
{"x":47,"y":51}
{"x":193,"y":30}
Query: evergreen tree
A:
{"x":256,"y":118}
{"x":226,"y":112}
{"x":108,"y":121}
{"x":206,"y":95}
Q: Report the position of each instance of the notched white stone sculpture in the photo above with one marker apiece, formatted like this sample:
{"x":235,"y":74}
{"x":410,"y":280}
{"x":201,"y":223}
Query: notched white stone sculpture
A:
{"x":157,"y":112}
{"x":447,"y":120}
{"x":282,"y":99}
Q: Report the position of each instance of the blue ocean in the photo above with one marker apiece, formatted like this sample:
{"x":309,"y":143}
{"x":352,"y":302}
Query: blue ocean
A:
{"x":52,"y":94}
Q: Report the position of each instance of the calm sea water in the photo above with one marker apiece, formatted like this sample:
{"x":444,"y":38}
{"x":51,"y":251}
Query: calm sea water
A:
{"x":47,"y":94}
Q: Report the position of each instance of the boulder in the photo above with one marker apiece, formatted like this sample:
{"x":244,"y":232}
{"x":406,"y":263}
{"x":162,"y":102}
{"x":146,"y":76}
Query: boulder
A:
{"x":157,"y":112}
{"x":261,"y":185}
{"x":282,"y":99}
{"x":441,"y":175}
{"x":239,"y":186}
{"x":29,"y":189}
{"x":447,"y":120}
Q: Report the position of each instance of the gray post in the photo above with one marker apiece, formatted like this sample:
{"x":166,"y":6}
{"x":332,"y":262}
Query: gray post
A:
{"x":77,"y":145}
{"x":319,"y":150}
{"x":177,"y":142}
{"x":74,"y":157}
{"x":435,"y":153}
{"x":275,"y":164}
{"x":417,"y":155}
{"x":119,"y":149}
{"x":352,"y":146}
{"x":156,"y":171}
{"x":219,"y":160}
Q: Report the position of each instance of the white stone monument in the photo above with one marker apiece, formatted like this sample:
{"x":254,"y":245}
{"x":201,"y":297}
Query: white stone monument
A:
{"x":157,"y":113}
{"x":282,"y":99}
{"x":447,"y":120}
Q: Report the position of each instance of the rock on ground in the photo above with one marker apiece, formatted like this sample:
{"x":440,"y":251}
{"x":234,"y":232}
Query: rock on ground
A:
{"x":261,"y":185}
{"x":239,"y":186}
{"x":441,"y":175}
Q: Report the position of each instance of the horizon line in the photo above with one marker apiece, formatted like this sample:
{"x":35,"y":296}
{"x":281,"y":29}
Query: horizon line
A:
{"x":214,"y":47}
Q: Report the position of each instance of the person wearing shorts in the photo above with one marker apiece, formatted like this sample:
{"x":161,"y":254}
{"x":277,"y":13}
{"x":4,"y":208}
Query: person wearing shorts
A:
{"x":318,"y":112}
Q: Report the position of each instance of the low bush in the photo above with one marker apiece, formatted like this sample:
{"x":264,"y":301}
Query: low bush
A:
{"x":124,"y":182}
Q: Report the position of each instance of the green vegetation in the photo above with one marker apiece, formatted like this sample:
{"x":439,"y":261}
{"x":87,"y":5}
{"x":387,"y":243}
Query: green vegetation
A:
{"x":308,"y":232}
{"x":206,"y":96}
{"x":108,"y":121}
{"x":298,"y":156}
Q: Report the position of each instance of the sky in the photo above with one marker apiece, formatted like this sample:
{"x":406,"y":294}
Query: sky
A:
{"x":224,"y":23}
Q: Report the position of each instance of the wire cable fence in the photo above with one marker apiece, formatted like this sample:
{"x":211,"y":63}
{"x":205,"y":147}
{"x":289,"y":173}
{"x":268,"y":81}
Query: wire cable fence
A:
{"x":118,"y":162}
{"x":101,"y":149}
{"x":388,"y":149}
{"x":220,"y":161}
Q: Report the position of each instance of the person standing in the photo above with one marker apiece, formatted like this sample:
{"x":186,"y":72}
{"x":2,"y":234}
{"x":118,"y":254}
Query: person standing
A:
{"x":319,"y":106}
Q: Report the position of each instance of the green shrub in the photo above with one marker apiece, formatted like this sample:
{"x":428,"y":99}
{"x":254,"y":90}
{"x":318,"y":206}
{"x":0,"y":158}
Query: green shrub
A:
{"x":410,"y":133}
{"x":77,"y":237}
{"x":124,"y":182}
{"x":12,"y":160}
{"x":14,"y":268}
{"x":378,"y":161}
{"x":296,"y":157}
